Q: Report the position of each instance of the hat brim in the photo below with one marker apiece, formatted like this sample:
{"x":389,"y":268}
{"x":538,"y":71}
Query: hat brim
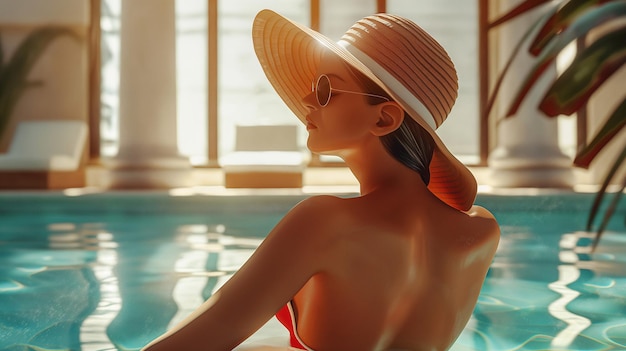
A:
{"x":289,"y":54}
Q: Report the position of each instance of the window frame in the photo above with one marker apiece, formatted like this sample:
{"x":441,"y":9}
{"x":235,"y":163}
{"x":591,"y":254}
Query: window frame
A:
{"x":485,"y":128}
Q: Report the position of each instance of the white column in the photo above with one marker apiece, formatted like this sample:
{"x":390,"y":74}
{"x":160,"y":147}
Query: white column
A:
{"x":148,"y":150}
{"x":527,"y":152}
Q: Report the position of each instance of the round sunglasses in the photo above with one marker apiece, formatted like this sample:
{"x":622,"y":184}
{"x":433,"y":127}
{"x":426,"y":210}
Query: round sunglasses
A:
{"x":323,"y":91}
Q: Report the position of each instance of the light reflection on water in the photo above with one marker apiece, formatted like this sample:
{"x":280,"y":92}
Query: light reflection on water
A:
{"x":105,"y":272}
{"x":568,"y":274}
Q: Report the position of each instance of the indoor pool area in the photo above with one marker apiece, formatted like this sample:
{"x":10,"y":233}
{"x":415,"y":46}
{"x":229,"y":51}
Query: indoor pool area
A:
{"x":148,"y":147}
{"x":112,"y":270}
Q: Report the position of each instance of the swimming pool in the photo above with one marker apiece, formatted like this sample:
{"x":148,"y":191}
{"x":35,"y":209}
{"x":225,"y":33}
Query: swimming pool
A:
{"x":113,"y":270}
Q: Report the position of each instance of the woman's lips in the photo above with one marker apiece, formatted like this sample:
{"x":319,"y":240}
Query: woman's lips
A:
{"x":310,"y":125}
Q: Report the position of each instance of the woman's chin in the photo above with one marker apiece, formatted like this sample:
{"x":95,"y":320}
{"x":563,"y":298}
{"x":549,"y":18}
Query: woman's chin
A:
{"x":318,"y":149}
{"x":321,"y":151}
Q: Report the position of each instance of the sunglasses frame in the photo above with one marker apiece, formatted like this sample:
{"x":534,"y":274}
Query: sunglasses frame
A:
{"x":315,"y":90}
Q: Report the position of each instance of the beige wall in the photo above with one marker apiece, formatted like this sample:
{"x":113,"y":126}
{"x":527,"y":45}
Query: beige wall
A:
{"x":63,"y":68}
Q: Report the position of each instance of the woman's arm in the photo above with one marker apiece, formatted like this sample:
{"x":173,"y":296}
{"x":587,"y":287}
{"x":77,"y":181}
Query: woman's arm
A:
{"x":282,"y":264}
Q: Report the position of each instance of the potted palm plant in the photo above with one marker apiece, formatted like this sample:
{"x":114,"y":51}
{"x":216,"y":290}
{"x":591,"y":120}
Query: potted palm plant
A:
{"x":561,"y":23}
{"x":14,"y":72}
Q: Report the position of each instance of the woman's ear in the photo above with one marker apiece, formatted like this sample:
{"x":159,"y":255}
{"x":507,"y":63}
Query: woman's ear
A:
{"x":390,"y":117}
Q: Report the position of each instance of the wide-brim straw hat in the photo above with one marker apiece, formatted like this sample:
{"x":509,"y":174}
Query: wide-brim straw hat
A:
{"x":392,"y":51}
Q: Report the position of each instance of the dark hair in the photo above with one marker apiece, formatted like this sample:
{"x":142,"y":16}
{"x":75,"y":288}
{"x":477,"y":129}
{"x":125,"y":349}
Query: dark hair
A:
{"x":410,"y":144}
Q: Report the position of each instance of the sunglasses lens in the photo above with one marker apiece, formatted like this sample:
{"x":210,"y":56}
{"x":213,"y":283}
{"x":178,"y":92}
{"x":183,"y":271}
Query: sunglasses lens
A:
{"x":322,"y":90}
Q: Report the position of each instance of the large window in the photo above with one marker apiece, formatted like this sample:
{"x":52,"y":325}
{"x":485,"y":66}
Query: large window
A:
{"x":109,"y":89}
{"x":243,"y":94}
{"x":191,"y":78}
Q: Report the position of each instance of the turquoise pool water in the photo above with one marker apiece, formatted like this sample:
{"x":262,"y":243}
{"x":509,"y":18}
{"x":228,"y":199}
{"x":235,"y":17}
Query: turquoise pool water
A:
{"x":112,"y":271}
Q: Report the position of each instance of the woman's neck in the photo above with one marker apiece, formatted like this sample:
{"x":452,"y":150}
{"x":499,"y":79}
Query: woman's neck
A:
{"x":377,"y":170}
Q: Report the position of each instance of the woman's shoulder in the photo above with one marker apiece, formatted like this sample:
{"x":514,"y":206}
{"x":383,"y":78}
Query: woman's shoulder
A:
{"x":316,"y":212}
{"x":484,"y":219}
{"x":321,"y":202}
{"x":329,"y":205}
{"x":479,"y":229}
{"x":465,"y":230}
{"x":480,"y":212}
{"x":324,"y":216}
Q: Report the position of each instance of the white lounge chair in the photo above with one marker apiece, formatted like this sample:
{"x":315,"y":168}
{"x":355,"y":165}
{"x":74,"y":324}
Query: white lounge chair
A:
{"x":265,"y":156}
{"x":45,"y":155}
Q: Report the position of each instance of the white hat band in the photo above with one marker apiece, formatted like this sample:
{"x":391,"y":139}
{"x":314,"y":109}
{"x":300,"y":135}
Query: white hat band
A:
{"x":392,"y":83}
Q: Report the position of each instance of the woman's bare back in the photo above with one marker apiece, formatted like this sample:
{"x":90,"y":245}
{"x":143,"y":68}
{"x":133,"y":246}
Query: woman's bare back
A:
{"x":399,"y":275}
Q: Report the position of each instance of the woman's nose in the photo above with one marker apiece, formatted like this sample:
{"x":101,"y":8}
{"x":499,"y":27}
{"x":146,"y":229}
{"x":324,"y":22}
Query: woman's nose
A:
{"x":309,"y":101}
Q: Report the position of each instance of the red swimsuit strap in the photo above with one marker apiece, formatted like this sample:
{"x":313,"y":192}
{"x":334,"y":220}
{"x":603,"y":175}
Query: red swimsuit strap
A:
{"x":284,"y":317}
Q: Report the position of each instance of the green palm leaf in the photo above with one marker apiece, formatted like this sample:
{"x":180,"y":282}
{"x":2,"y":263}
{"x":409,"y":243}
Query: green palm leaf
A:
{"x":560,"y":20}
{"x":14,"y":75}
{"x":581,"y":27}
{"x":611,"y":127}
{"x":1,"y":57}
{"x":591,"y":68}
{"x":518,"y":47}
{"x":519,"y":10}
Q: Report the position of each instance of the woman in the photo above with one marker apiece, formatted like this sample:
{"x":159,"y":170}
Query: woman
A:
{"x":400,"y":266}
